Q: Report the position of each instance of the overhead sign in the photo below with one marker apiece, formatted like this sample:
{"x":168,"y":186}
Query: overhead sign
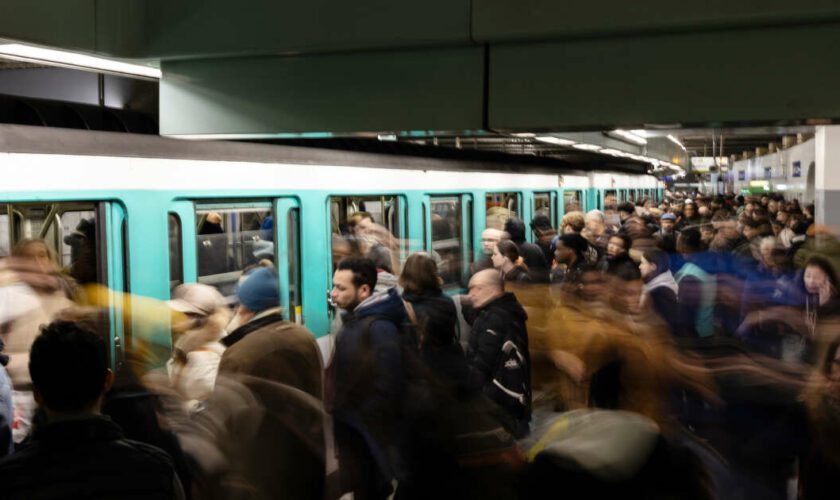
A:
{"x":705,"y":162}
{"x":797,"y":169}
{"x":742,"y":175}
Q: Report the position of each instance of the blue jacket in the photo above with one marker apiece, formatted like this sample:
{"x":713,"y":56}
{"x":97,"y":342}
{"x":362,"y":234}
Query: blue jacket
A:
{"x":365,"y":376}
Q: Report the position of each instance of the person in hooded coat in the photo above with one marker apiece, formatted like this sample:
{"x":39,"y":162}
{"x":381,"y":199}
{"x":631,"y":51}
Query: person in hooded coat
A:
{"x":660,"y":289}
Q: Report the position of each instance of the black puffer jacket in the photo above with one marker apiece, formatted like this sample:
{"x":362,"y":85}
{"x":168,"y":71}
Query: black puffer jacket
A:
{"x":87,"y":458}
{"x":491,"y":325}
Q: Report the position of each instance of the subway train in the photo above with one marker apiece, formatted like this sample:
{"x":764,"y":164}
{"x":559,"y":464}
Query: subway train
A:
{"x":141,"y":214}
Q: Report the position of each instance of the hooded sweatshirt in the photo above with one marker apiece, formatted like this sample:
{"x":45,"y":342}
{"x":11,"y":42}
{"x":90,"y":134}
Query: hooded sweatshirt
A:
{"x":661,"y":293}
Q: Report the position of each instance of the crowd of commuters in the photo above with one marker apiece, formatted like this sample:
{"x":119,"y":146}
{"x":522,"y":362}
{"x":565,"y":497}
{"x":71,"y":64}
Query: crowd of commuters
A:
{"x":685,"y":349}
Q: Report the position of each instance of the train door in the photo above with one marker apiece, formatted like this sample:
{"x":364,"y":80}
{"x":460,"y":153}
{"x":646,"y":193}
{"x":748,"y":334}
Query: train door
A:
{"x":500,"y":207}
{"x":84,"y":244}
{"x":545,"y":204}
{"x":572,"y":201}
{"x":451,"y":241}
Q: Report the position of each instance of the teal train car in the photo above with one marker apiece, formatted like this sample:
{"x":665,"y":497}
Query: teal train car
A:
{"x":142,"y":214}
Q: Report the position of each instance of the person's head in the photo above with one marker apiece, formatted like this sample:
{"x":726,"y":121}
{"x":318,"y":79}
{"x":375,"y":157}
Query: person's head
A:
{"x":689,"y":211}
{"x":505,"y":255}
{"x":36,"y":252}
{"x":782,"y":216}
{"x":625,"y":210}
{"x":772,"y":206}
{"x":353,"y":282}
{"x":595,"y":222}
{"x":689,"y":241}
{"x":68,"y":364}
{"x":707,"y":233}
{"x":361,"y":223}
{"x":572,"y":222}
{"x":569,"y":248}
{"x":591,"y":286}
{"x":626,"y":287}
{"x":667,"y":222}
{"x":619,"y":244}
{"x":515,"y":229}
{"x":489,"y":239}
{"x":420,"y":273}
{"x":819,"y":276}
{"x":541,"y":225}
{"x":654,"y":262}
{"x":197,"y":302}
{"x":484,"y":287}
{"x":749,"y":208}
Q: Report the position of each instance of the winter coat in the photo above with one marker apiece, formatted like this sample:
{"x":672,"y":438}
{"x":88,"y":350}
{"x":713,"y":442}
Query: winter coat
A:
{"x":193,"y":372}
{"x":420,"y":303}
{"x":274,"y":442}
{"x":532,"y":254}
{"x":491,"y":324}
{"x":519,"y":275}
{"x":364,"y":378}
{"x":661,"y":294}
{"x":87,"y":457}
{"x":36,"y":303}
{"x":618,"y":264}
{"x":276,"y":350}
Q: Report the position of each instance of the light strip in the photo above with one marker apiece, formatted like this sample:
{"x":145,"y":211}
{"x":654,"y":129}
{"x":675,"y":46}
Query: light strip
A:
{"x":587,"y":147}
{"x":75,"y":60}
{"x":554,"y":140}
{"x":630,"y":136}
{"x":676,"y":141}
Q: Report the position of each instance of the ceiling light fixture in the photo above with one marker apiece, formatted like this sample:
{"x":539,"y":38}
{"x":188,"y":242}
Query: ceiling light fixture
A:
{"x":587,"y":147}
{"x":630,"y":136}
{"x":677,"y":142}
{"x":73,"y":60}
{"x":554,"y":140}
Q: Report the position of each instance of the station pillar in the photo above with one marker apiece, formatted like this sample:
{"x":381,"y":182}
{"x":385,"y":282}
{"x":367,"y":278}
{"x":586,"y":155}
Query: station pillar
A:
{"x":827,"y":177}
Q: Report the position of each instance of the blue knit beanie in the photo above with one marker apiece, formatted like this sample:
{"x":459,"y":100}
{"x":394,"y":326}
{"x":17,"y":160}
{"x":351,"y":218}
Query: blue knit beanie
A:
{"x":260,"y":290}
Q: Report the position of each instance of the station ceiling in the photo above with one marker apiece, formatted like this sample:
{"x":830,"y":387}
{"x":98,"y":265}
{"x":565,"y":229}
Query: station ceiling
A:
{"x":465,"y":73}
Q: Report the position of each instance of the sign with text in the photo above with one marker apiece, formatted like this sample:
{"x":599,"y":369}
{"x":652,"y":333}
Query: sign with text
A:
{"x":797,"y":169}
{"x":742,"y":175}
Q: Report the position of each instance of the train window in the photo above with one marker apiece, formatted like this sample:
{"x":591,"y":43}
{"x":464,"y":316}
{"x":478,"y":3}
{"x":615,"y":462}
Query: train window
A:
{"x":610,"y":199}
{"x":230,"y":239}
{"x":544,"y":206}
{"x":500,"y":208}
{"x":69,"y":231}
{"x":293,"y":252}
{"x":572,"y":201}
{"x":382,"y":241}
{"x":447,"y":237}
{"x":176,"y":257}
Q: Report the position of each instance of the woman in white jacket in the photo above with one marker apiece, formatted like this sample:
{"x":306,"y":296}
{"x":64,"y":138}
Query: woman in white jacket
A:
{"x":197,"y":351}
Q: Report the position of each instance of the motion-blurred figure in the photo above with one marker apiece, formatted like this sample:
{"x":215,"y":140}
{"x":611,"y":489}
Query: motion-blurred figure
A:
{"x":196,"y":334}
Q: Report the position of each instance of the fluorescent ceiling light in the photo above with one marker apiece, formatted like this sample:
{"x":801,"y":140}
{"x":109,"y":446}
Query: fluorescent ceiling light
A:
{"x":612,"y":152}
{"x":676,"y":141}
{"x":554,"y":140}
{"x":630,"y":136}
{"x":75,"y":60}
{"x":641,"y":133}
{"x":525,"y":134}
{"x":587,"y":147}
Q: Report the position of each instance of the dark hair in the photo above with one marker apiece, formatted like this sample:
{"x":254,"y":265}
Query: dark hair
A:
{"x":68,"y":364}
{"x":627,"y":207}
{"x":625,"y":241}
{"x":575,"y":242}
{"x":627,"y":273}
{"x":658,"y":258}
{"x":420,"y":273}
{"x":516,"y":229}
{"x":691,"y":240}
{"x":541,"y":223}
{"x":508,"y":249}
{"x":364,"y":270}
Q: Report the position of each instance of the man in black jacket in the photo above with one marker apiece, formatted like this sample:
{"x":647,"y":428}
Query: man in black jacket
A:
{"x":497,"y":354}
{"x":531,"y":253}
{"x":77,"y":452}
